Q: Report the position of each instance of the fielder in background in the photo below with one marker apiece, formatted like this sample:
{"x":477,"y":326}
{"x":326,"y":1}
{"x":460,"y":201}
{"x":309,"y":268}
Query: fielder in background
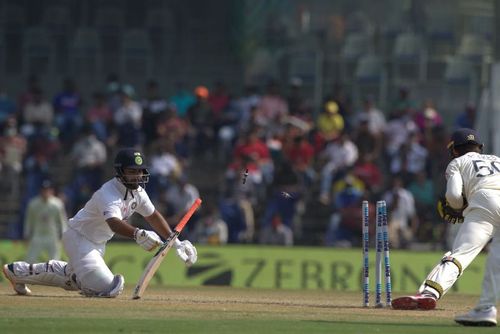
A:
{"x":105,"y":214}
{"x":44,"y":224}
{"x":472,"y":197}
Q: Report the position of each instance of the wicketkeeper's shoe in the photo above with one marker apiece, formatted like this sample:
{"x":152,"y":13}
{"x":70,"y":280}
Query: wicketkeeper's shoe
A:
{"x":417,"y":302}
{"x":19,"y":288}
{"x":479,"y":316}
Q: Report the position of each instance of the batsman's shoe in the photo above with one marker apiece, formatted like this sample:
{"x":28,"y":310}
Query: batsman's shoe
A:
{"x":19,"y":288}
{"x":417,"y":302}
{"x":479,"y":316}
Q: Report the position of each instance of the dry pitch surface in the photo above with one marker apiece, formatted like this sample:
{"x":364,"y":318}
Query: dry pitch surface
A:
{"x":220,"y":310}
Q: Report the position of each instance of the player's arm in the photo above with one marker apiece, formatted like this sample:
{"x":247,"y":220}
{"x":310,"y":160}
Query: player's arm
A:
{"x":148,"y":240}
{"x":120,"y":227}
{"x":454,"y":186}
{"x":159,"y":224}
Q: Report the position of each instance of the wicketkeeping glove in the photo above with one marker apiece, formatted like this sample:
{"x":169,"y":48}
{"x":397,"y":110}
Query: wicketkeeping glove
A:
{"x":148,"y":240}
{"x":449,"y":214}
{"x":186,"y":251}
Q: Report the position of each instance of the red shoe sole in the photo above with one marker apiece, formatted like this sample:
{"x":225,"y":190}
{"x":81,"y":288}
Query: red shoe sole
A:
{"x":414,"y":303}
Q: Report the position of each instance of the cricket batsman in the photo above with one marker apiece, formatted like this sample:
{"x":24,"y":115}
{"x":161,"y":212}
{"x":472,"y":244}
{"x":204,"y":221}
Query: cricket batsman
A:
{"x":472,"y":198}
{"x":105,"y":214}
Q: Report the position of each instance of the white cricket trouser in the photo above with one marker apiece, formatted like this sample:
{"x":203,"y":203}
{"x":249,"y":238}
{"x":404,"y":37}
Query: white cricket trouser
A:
{"x":38,"y":245}
{"x":490,"y":293}
{"x":86,"y":261}
{"x":481,"y":223}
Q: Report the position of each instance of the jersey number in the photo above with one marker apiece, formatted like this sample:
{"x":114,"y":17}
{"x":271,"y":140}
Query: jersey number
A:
{"x":485,"y":168}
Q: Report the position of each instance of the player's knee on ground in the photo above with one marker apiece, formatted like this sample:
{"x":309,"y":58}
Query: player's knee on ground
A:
{"x":96,"y":283}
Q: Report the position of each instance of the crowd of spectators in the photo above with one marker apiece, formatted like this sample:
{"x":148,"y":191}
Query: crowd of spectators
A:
{"x":276,"y":156}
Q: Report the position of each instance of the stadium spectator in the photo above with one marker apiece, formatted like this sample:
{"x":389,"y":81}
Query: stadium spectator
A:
{"x":367,"y":142}
{"x":13,"y":147}
{"x":330,"y":123}
{"x":369,"y":173}
{"x":427,"y":118}
{"x":99,"y":116}
{"x":153,"y":106}
{"x":276,"y":233}
{"x":422,"y":189}
{"x":164,"y":165}
{"x":402,"y":215}
{"x":285,"y":195}
{"x":344,"y":228}
{"x":251,"y":147}
{"x":68,"y":114}
{"x":89,"y":156}
{"x":297,"y":103}
{"x":37,"y":115}
{"x":373,"y":116}
{"x":234,"y":212}
{"x":272,"y":109}
{"x":338,"y":156}
{"x":25,"y":97}
{"x":182,"y":100}
{"x":201,"y":121}
{"x":248,"y":103}
{"x":172,"y":128}
{"x":178,"y":197}
{"x":128,"y":119}
{"x":467,"y":118}
{"x":210,"y":229}
{"x":410,"y":159}
{"x":300,"y":153}
{"x":7,"y":108}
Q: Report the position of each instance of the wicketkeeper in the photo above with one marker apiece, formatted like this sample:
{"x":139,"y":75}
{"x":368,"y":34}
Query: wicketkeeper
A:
{"x":472,"y":198}
{"x":105,"y":214}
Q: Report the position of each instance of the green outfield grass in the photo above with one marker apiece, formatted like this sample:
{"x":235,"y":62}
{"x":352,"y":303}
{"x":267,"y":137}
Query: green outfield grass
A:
{"x":220,"y":310}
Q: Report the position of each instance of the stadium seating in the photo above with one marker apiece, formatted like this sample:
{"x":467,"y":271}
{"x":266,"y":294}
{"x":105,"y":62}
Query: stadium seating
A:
{"x":409,"y":59}
{"x":355,"y":46}
{"x":370,"y":78}
{"x":136,"y":54}
{"x":38,"y":51}
{"x":85,"y":53}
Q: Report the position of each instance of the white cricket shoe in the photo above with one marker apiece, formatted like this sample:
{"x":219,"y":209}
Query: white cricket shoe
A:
{"x":479,"y":316}
{"x":19,"y":288}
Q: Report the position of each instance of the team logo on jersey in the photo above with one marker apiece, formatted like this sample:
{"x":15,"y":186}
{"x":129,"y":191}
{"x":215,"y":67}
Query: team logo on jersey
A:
{"x":134,"y":205}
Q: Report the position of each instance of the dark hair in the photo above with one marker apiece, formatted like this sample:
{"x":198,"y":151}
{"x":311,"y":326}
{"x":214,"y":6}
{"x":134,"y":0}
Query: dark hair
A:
{"x":463,"y":149}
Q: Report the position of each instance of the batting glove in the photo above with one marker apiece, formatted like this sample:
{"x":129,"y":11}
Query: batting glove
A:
{"x":148,"y":240}
{"x":186,"y":251}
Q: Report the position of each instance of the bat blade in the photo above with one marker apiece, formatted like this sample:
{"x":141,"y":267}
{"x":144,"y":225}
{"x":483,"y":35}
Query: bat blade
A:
{"x":157,"y":259}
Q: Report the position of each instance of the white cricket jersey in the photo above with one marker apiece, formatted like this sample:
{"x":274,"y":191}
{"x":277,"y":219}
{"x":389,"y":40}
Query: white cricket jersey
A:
{"x":107,"y":202}
{"x":469,"y":174}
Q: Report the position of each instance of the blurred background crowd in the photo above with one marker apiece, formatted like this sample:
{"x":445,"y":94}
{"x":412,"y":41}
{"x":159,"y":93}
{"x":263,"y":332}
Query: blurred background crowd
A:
{"x":282,"y":115}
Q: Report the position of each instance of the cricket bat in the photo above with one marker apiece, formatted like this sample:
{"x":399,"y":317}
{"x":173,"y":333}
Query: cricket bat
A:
{"x":155,"y":262}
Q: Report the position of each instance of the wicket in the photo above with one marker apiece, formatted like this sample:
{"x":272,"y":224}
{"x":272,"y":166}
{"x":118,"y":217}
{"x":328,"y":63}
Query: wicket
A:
{"x":381,"y":245}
